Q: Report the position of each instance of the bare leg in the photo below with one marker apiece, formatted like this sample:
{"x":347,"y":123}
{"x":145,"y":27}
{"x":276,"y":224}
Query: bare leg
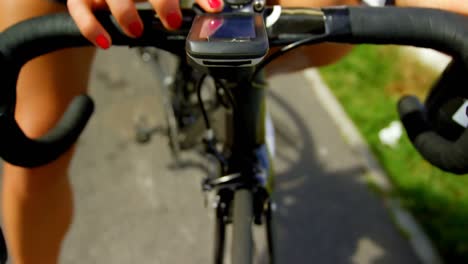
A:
{"x":37,"y":203}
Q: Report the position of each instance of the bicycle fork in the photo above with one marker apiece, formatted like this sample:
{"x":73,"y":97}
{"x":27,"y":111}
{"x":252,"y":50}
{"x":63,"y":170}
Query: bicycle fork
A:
{"x":248,"y":178}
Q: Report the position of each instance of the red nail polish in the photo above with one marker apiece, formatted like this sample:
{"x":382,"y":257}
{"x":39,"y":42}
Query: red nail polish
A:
{"x":174,"y":20}
{"x":215,"y":4}
{"x":102,"y":42}
{"x":135,"y":28}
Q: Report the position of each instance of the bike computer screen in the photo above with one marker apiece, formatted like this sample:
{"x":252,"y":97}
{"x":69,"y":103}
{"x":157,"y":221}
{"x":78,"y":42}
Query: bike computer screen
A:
{"x":224,"y":38}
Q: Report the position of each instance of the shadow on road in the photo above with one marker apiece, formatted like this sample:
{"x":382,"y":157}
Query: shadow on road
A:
{"x":326,"y":213}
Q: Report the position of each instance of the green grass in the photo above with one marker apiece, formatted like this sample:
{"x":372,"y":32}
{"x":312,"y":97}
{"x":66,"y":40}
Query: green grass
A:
{"x":368,"y":83}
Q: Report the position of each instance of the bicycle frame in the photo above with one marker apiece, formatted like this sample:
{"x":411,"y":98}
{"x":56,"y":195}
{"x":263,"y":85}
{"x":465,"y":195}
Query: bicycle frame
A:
{"x":250,"y":160}
{"x":246,"y":169}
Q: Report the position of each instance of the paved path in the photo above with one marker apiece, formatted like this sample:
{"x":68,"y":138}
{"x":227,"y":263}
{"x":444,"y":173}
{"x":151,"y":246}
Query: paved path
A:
{"x":134,"y":206}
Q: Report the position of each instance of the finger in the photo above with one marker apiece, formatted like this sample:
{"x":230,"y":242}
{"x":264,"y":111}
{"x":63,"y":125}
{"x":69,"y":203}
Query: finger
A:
{"x":169,"y":12}
{"x":211,"y":5}
{"x":126,"y":14}
{"x":81,"y":12}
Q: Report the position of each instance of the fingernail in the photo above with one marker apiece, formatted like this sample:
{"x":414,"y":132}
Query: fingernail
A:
{"x":102,"y":42}
{"x":174,"y":20}
{"x":215,"y":4}
{"x":135,"y":28}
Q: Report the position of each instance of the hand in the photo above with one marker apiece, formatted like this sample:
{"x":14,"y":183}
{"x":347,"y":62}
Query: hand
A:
{"x":127,"y":16}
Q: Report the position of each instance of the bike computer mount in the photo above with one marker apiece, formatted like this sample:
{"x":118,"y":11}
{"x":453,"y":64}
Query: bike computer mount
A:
{"x":235,"y":37}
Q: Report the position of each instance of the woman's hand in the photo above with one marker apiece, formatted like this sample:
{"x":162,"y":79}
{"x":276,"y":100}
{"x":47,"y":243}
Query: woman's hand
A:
{"x":127,"y":16}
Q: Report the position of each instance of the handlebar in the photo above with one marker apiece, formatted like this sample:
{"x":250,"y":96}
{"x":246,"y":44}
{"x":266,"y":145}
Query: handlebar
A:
{"x":431,"y":130}
{"x":423,"y":28}
{"x":440,"y":30}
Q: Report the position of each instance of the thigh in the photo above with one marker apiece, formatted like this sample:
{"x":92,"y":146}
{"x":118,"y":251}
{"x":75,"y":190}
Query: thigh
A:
{"x":47,"y":84}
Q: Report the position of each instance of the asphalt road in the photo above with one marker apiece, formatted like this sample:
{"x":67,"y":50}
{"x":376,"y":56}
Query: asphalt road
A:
{"x":134,"y":206}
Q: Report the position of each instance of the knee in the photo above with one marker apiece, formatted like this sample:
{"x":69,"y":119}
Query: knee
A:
{"x":326,"y":54}
{"x":26,"y":182}
{"x":307,"y":57}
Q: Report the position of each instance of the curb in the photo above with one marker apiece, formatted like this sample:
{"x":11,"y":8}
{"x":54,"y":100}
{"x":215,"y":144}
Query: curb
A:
{"x":418,"y":240}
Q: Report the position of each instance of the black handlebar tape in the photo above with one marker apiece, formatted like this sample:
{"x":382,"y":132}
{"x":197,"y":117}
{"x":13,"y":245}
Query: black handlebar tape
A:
{"x":445,"y":97}
{"x":41,"y":35}
{"x":420,"y":122}
{"x":423,"y":27}
{"x":430,"y":28}
{"x":18,"y":149}
{"x":446,"y":155}
{"x":32,"y":38}
{"x":18,"y":45}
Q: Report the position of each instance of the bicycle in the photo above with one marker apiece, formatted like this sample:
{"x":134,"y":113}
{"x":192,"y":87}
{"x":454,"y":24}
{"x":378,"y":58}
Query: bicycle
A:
{"x":245,"y":183}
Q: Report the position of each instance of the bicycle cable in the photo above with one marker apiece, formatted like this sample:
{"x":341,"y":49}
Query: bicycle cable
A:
{"x":200,"y":101}
{"x":287,"y":48}
{"x":228,"y":92}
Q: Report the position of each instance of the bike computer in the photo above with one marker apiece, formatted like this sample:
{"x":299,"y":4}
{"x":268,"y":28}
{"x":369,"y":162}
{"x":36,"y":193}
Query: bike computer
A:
{"x":227,"y":39}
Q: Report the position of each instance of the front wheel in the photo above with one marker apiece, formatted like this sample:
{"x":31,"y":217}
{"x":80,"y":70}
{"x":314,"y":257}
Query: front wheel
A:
{"x":242,"y":220}
{"x":270,"y":229}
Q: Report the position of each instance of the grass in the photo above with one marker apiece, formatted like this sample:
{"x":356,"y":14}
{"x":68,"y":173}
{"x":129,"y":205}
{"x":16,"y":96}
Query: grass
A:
{"x":368,"y":83}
